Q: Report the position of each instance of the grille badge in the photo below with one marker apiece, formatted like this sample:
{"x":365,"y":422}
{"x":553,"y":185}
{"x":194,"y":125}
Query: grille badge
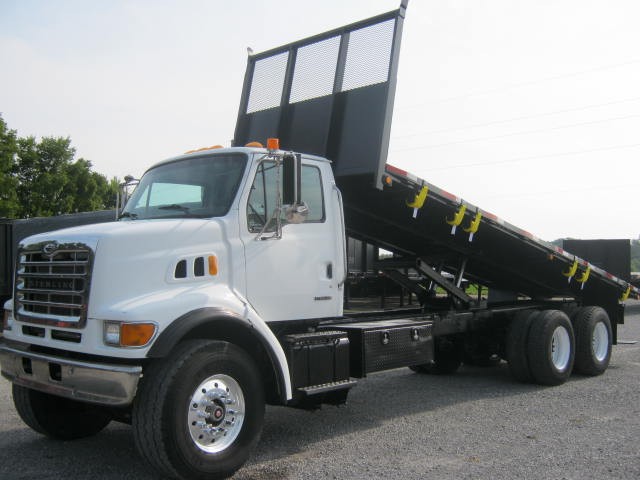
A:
{"x":49,"y":249}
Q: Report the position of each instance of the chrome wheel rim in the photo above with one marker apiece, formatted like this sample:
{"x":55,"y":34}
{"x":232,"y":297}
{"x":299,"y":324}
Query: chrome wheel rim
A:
{"x":600,"y":341}
{"x":216,"y":413}
{"x":560,"y":348}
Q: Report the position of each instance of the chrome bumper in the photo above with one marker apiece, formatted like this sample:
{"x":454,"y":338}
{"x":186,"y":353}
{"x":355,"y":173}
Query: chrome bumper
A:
{"x":99,"y":383}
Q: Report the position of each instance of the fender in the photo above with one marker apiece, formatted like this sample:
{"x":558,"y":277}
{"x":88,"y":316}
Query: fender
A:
{"x":190,"y":321}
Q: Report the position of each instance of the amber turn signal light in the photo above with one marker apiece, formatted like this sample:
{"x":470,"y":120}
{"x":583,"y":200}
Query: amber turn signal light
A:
{"x":136,"y":334}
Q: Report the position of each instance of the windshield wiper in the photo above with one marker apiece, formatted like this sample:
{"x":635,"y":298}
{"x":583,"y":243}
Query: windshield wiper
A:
{"x":175,"y":206}
{"x":130,"y":215}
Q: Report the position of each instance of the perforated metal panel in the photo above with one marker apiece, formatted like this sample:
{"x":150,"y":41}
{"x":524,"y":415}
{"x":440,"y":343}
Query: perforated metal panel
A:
{"x":368,"y":56}
{"x":267,"y":84}
{"x":329,"y":95}
{"x":315,"y":70}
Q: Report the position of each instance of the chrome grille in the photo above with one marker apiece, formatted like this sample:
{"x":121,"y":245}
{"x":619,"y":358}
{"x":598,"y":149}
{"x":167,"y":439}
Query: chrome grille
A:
{"x":52,"y":284}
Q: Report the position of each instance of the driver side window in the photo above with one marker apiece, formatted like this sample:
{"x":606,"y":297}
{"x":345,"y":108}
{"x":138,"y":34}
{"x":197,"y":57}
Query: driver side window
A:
{"x":262,"y":199}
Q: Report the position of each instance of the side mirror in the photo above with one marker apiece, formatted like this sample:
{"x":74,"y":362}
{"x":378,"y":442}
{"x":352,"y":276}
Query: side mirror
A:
{"x":297,"y":211}
{"x":291,"y":179}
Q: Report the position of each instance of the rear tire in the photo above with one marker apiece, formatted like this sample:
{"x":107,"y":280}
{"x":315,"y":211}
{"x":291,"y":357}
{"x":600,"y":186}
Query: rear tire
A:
{"x":593,"y":340}
{"x":57,"y":417}
{"x":199,"y":412}
{"x":551,"y":348}
{"x":516,"y":345}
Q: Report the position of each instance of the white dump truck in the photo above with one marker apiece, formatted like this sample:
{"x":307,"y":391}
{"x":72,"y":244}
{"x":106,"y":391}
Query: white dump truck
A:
{"x":221,"y":287}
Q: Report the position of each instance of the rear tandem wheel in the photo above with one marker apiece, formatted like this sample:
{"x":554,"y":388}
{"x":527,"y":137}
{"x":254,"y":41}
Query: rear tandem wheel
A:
{"x":540,"y":347}
{"x":593,"y":340}
{"x":516,"y":345}
{"x":551,"y":348}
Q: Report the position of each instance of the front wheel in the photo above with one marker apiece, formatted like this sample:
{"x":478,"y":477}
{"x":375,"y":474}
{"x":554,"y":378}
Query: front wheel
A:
{"x":199,"y":412}
{"x":57,"y":417}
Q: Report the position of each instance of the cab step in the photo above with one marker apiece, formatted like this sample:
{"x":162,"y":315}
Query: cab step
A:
{"x":327,"y":387}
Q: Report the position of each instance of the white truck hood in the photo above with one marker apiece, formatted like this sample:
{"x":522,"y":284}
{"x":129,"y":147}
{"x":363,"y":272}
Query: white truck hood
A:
{"x":134,"y":259}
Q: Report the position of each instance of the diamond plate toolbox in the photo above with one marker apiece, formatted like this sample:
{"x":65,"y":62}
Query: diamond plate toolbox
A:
{"x":382,"y":345}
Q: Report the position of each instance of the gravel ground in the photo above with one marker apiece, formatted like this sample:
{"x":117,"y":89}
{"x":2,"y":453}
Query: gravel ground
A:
{"x":477,"y":424}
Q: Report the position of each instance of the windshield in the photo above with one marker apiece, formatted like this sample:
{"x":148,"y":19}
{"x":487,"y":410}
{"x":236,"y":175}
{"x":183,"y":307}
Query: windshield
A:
{"x":199,"y":187}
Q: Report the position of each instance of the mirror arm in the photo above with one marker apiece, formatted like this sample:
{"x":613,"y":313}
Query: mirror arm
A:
{"x":277,"y":235}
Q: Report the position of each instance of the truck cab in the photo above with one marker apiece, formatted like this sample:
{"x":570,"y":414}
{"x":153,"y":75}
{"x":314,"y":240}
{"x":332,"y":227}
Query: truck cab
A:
{"x":241,"y":191}
{"x":206,"y":231}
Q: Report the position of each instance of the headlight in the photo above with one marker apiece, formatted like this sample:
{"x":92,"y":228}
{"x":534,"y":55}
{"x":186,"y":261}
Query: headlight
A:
{"x":121,"y":334}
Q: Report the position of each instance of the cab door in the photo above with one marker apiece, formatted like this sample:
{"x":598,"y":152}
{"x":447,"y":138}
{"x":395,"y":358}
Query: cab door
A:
{"x":293,"y":276}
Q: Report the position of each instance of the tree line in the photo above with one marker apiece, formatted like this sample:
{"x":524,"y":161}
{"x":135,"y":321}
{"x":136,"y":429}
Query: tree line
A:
{"x":43,"y":178}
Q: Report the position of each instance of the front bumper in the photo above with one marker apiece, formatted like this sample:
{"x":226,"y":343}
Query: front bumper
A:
{"x":93,"y":382}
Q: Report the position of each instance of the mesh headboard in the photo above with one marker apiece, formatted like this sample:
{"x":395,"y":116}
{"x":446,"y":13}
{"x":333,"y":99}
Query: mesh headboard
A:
{"x":329,"y":95}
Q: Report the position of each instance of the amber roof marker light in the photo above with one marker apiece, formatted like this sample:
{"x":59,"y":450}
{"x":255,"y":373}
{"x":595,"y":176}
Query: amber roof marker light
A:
{"x":273,"y":144}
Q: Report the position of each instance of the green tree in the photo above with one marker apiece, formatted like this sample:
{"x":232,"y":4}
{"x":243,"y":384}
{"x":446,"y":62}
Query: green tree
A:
{"x":50,"y":182}
{"x":8,"y":184}
{"x":41,"y":172}
{"x":109,"y":192}
{"x":92,"y":190}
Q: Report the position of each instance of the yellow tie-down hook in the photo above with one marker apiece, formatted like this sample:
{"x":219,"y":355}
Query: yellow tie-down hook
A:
{"x":418,"y":202}
{"x":474,"y":225}
{"x":572,"y":271}
{"x":625,"y":295}
{"x":583,"y":277}
{"x":457,"y":218}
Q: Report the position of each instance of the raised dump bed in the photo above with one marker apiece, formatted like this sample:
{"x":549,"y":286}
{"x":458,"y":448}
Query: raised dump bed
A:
{"x":332,"y":95}
{"x":411,"y":217}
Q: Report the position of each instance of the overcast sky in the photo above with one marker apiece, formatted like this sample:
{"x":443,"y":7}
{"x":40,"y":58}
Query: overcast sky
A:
{"x":528,"y":109}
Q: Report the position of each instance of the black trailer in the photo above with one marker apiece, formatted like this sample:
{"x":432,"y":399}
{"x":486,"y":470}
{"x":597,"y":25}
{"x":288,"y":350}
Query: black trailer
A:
{"x":12,"y":231}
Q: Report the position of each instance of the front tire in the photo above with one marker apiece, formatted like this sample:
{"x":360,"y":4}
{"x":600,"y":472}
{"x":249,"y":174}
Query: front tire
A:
{"x":593,"y":340}
{"x":57,"y":417}
{"x":199,"y":412}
